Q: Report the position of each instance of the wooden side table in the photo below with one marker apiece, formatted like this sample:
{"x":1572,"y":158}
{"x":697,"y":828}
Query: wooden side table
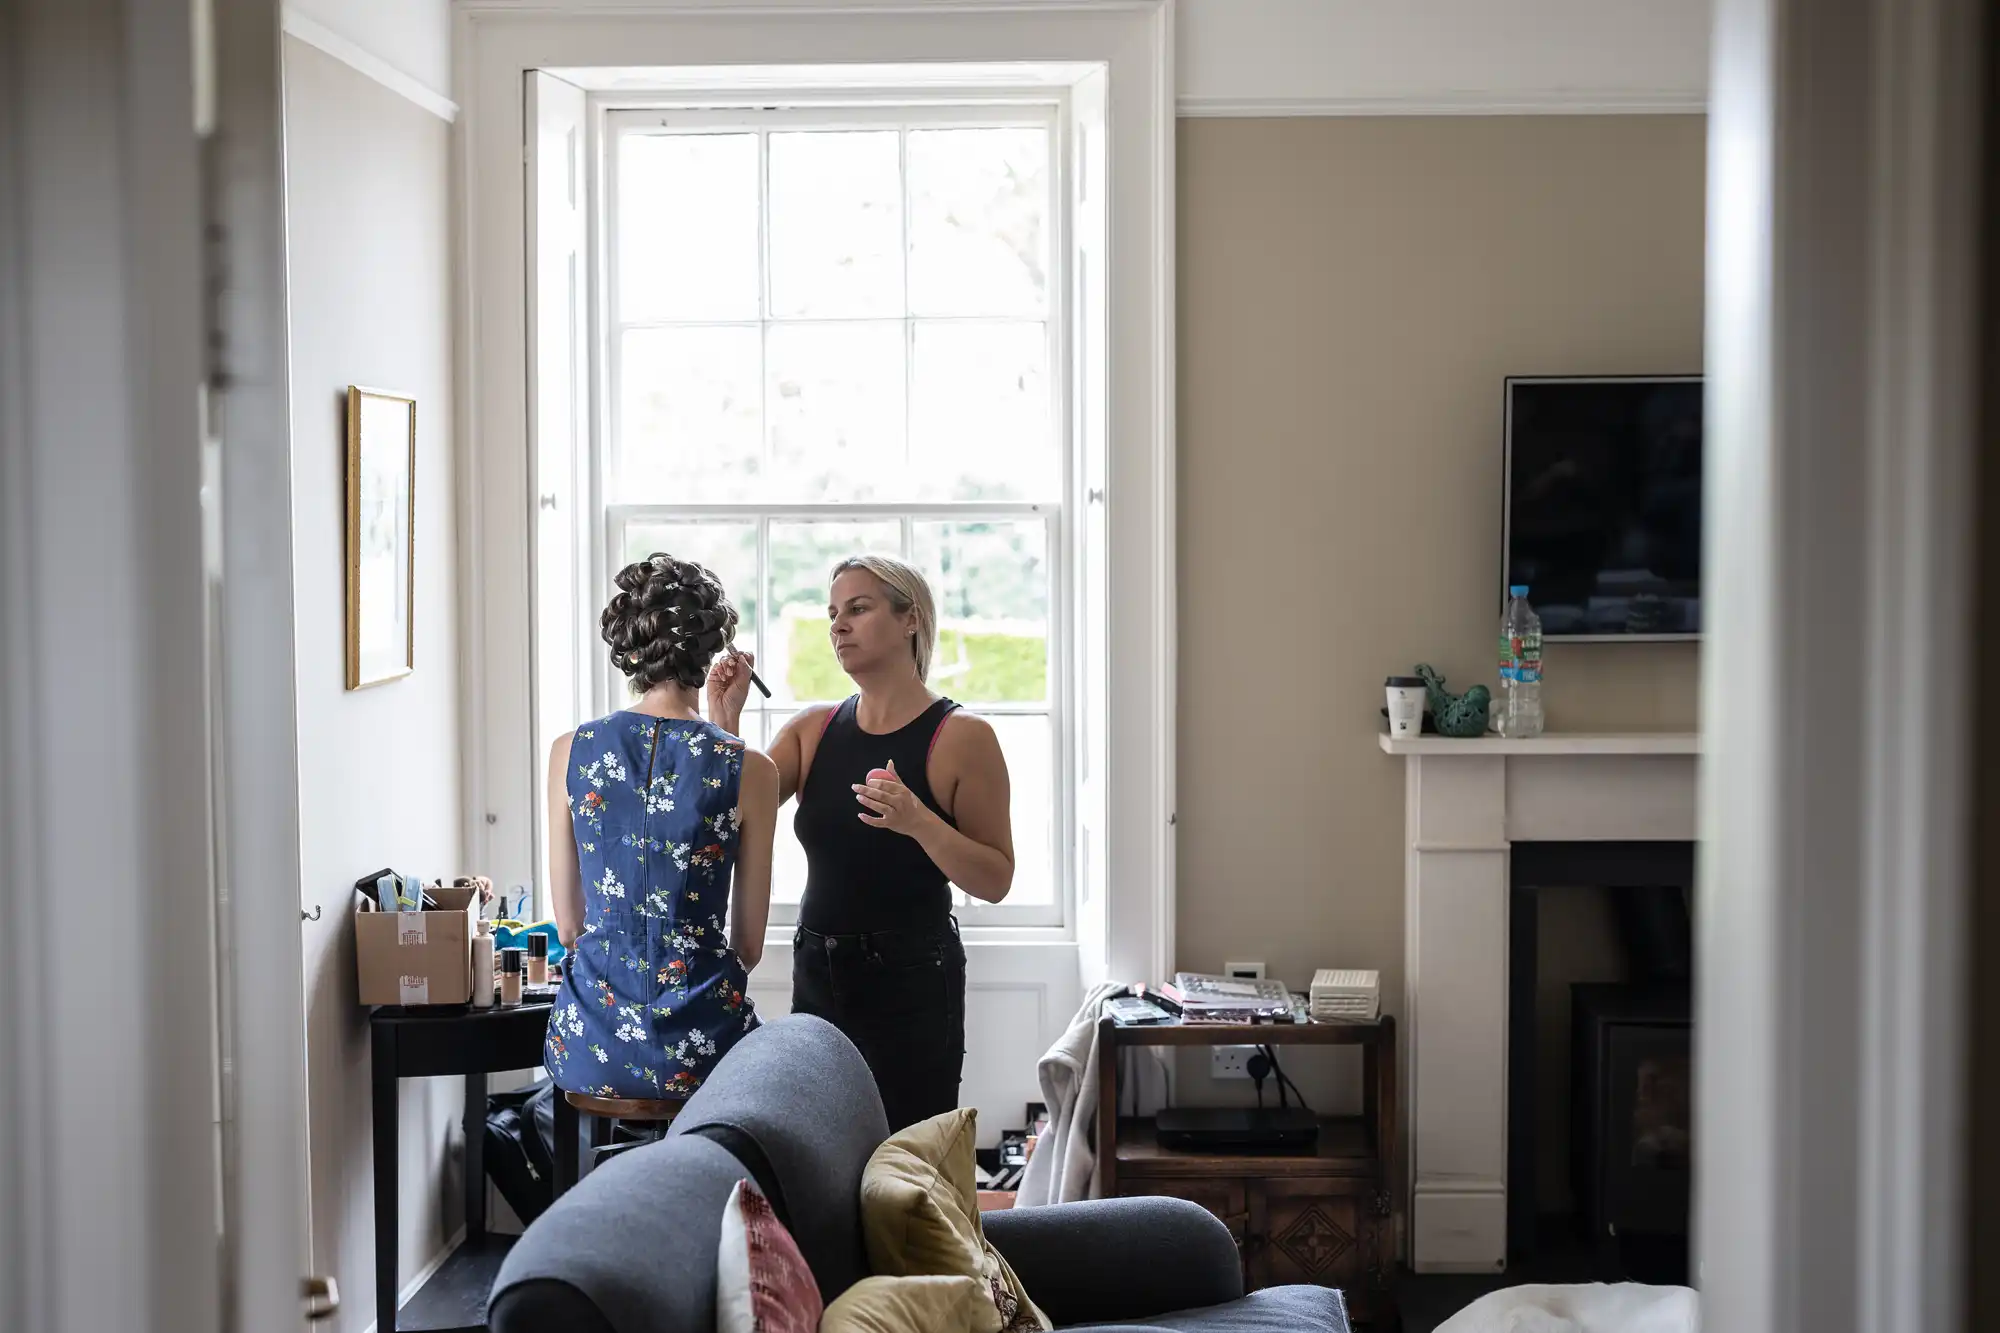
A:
{"x":1325,"y":1217}
{"x":425,"y":1042}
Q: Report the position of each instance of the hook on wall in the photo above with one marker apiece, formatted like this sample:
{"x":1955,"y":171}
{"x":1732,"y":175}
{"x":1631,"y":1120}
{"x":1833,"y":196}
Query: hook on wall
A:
{"x":313,"y":915}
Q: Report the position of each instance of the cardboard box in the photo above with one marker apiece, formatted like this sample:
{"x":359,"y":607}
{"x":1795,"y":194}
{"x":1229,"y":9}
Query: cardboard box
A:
{"x":417,"y":957}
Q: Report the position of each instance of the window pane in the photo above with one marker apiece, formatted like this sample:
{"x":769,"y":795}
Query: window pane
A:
{"x":836,"y":396}
{"x":729,"y":550}
{"x":788,"y":858}
{"x":979,"y":221}
{"x":690,"y":423}
{"x":788,"y":861}
{"x":803,"y":669}
{"x":1029,"y":746}
{"x":992,"y":587}
{"x":980,"y":424}
{"x":836,"y":224}
{"x":687,"y":226}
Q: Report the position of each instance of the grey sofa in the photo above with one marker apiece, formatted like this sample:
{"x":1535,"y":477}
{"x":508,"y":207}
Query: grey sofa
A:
{"x":631,"y":1249}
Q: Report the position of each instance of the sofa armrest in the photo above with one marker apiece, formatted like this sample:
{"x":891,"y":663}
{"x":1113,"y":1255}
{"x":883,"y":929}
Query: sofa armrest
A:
{"x":1118,"y":1259}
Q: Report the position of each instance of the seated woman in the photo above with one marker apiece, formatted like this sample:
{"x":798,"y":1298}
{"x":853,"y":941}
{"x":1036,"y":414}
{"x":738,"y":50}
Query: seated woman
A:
{"x":656,"y":818}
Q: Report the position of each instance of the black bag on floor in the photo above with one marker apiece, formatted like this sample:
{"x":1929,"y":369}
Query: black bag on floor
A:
{"x":520,"y":1147}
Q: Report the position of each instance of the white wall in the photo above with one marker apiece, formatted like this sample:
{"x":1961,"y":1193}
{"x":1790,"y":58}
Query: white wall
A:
{"x":367,"y":201}
{"x":412,"y":37}
{"x":1335,"y":56}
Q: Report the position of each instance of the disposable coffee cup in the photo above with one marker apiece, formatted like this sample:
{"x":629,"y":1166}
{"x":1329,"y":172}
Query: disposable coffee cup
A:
{"x":1406,"y":706}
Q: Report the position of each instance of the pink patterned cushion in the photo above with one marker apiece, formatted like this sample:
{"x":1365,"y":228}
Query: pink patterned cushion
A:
{"x":762,"y":1284}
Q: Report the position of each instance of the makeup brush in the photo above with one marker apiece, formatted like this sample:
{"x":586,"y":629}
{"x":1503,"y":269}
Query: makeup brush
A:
{"x":755,"y":679}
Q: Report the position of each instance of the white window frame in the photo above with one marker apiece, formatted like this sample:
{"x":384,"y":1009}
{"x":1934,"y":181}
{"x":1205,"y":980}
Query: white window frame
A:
{"x":1125,"y":917}
{"x":804,"y":109}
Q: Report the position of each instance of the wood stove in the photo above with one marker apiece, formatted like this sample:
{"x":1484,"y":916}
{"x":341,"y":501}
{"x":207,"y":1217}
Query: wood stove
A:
{"x":1632,"y":1123}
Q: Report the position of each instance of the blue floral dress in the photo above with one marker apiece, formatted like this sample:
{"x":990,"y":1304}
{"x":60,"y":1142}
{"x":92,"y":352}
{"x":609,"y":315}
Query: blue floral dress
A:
{"x":652,"y":995}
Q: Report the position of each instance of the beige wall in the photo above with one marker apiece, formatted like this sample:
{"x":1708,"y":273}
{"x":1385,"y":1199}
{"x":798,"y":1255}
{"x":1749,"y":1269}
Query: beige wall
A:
{"x":1351,"y":294}
{"x":367,"y":205}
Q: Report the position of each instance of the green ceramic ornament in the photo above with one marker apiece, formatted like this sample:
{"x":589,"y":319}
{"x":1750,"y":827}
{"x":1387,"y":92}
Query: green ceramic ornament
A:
{"x":1459,"y":715}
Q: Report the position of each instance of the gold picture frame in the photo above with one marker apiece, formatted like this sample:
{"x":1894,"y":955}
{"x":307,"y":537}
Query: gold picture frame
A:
{"x":381,"y":536}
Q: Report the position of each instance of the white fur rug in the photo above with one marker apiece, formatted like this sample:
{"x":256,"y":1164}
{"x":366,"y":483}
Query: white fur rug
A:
{"x":1623,"y":1307}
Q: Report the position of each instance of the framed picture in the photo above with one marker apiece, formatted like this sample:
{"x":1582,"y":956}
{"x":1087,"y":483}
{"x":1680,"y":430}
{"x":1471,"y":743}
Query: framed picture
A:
{"x":381,"y":518}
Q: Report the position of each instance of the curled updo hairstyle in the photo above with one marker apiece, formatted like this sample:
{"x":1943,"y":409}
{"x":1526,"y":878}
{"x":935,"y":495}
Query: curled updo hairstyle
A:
{"x":667,"y":622}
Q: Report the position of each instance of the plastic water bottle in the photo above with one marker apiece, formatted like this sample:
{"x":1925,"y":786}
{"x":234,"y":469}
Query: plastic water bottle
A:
{"x":1520,"y":667}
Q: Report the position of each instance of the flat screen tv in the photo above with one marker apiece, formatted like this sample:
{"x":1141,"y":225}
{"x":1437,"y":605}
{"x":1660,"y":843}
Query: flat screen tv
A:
{"x":1603,"y":504}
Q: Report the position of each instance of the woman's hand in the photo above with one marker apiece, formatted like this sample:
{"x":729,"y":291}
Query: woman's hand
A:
{"x":728,"y":687}
{"x":894,"y":806}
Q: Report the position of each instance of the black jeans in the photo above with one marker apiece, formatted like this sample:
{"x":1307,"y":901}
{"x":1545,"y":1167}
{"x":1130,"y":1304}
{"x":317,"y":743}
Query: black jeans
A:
{"x":899,"y":996}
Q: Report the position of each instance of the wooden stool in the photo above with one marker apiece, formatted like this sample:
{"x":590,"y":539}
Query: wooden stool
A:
{"x":601,"y":1115}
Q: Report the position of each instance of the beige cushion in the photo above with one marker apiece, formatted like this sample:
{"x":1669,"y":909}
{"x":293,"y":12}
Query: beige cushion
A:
{"x":920,"y":1216}
{"x":912,"y":1305}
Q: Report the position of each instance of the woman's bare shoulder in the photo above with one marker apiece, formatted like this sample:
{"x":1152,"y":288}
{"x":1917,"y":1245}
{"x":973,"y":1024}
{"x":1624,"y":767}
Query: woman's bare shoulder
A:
{"x":808,"y":721}
{"x":759,"y":769}
{"x":965,"y":729}
{"x":966,"y":743}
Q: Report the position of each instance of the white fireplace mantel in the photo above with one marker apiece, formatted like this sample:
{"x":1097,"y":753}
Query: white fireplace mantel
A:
{"x":1466,"y":802}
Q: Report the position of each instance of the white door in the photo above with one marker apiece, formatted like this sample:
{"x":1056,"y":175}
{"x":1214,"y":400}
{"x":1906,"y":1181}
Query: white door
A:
{"x":152,"y":1159}
{"x":252,"y":686}
{"x":558,"y":407}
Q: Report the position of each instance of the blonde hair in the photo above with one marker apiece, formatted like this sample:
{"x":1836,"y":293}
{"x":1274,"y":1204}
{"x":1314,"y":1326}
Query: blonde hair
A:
{"x":908,"y":590}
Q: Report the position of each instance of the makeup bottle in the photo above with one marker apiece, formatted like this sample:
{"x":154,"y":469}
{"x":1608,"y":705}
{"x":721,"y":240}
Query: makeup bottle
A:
{"x":482,"y":967}
{"x":510,"y":978}
{"x":538,"y":960}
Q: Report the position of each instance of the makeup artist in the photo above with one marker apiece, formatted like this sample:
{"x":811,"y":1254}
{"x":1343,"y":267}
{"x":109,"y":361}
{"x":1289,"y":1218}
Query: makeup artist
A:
{"x":901,"y":794}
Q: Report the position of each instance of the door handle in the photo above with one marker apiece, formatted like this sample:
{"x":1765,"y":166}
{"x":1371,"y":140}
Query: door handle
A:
{"x":322,"y":1297}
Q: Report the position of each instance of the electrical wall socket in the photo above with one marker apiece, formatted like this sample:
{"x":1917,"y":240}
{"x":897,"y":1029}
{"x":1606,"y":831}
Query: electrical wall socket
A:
{"x":1243,"y":970}
{"x":1229,"y":1061}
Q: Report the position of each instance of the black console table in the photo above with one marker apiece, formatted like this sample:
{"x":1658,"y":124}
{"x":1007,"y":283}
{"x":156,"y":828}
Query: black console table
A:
{"x":426,"y":1042}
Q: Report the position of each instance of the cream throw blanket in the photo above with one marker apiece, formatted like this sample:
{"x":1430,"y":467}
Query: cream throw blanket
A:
{"x":1622,"y":1307}
{"x":1065,"y":1159}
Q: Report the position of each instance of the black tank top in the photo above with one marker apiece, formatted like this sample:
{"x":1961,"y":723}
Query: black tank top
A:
{"x":860,"y":878}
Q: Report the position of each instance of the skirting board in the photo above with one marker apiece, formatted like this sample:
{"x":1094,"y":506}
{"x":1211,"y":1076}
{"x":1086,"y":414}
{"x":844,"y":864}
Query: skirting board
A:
{"x":415,"y":1284}
{"x":1458,"y":1232}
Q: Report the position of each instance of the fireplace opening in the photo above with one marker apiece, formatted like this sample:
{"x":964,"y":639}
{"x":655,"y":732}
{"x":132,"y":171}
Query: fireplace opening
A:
{"x":1600,"y":1129}
{"x":1632,"y":1139}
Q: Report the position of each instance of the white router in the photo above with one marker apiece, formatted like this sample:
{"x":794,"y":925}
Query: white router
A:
{"x":1345,"y":995}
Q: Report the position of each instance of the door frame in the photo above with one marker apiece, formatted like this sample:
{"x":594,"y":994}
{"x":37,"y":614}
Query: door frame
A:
{"x":1835,"y":824}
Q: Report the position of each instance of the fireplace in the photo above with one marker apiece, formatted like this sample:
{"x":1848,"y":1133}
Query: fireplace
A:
{"x":1468,"y":805}
{"x":1629,"y":1045}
